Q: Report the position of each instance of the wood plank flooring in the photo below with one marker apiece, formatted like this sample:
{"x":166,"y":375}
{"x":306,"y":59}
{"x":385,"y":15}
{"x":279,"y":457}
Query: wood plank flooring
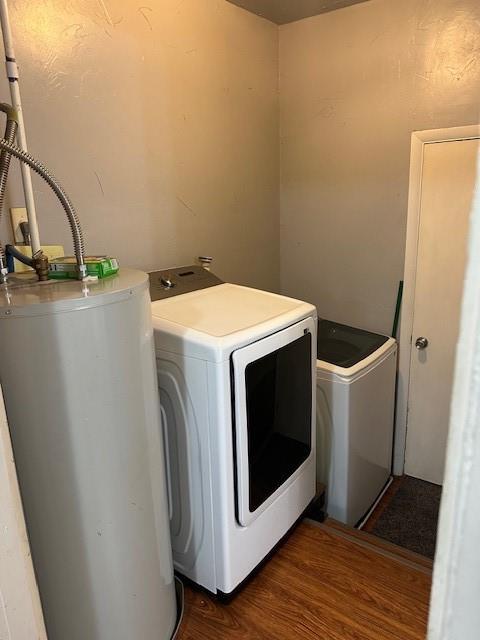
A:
{"x":381,"y":545}
{"x":319,"y":585}
{"x":383,"y":504}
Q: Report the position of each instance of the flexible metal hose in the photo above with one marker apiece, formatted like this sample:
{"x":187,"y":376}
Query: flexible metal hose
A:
{"x":5,"y":157}
{"x":78,"y":242}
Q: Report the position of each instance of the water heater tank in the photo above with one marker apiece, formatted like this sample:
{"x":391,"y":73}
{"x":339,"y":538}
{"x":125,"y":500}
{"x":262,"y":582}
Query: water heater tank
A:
{"x":78,"y":375}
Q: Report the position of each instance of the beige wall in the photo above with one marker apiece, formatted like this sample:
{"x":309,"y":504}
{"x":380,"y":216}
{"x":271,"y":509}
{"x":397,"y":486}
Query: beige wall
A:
{"x":354,"y":84}
{"x":192,"y":87}
{"x":162,"y":122}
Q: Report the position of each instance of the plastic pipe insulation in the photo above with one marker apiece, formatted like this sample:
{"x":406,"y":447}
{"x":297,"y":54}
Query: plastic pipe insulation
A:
{"x":12,"y":251}
{"x":78,"y":241}
{"x":12,"y":74}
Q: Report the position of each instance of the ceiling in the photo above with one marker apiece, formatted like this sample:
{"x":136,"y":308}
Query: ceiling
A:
{"x":283,"y":11}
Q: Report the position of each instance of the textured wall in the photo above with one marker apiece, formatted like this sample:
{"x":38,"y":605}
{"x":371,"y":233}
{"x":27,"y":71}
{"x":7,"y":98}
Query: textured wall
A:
{"x":161,"y":120}
{"x":192,"y":88}
{"x":354,"y":84}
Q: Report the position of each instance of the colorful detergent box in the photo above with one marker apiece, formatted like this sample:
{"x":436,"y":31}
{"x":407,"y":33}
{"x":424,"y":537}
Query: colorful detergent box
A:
{"x":66,"y":267}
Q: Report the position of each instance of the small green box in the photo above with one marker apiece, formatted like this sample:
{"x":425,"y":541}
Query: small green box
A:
{"x":66,"y":268}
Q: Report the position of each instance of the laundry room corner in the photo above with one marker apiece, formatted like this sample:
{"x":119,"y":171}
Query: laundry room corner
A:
{"x":237,"y":272}
{"x":354,"y":85}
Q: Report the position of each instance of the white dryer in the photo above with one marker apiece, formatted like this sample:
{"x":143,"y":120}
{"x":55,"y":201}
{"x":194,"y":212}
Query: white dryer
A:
{"x":236,"y":374}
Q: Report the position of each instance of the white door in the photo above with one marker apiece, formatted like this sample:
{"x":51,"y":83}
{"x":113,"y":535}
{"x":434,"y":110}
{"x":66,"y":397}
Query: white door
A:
{"x":448,"y":179}
{"x":454,"y":606}
{"x":21,"y":615}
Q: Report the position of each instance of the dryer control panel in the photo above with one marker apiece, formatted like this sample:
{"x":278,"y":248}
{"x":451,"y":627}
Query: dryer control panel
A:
{"x":179,"y":280}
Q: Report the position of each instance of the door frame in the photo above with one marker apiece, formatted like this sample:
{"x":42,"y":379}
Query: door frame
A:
{"x":418,"y":142}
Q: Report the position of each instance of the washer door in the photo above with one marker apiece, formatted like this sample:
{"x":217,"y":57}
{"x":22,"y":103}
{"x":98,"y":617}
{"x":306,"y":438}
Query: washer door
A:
{"x":274,"y":429}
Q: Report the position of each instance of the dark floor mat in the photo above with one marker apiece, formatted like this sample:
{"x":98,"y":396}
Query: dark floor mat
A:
{"x":410,"y":518}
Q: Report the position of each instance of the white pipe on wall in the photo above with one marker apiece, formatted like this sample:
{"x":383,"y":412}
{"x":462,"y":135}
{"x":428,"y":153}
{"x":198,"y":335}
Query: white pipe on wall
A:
{"x":12,"y":74}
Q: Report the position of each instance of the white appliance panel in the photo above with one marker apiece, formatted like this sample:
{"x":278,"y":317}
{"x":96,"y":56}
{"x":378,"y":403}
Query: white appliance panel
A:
{"x":242,"y":358}
{"x":240,"y":549}
{"x":183,"y":392}
{"x":355,"y":419}
{"x":196,"y":333}
{"x":225,"y":309}
{"x":211,"y":323}
{"x":85,"y":429}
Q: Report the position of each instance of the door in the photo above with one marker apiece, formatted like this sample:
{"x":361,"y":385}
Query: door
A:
{"x":21,"y":615}
{"x":454,"y":605}
{"x":274,"y":395}
{"x":448,"y":178}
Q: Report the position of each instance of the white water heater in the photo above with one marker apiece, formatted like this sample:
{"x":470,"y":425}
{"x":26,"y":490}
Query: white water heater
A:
{"x":78,"y":375}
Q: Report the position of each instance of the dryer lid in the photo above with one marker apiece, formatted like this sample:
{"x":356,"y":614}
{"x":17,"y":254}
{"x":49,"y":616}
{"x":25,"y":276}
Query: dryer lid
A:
{"x":345,"y":346}
{"x":225,"y":309}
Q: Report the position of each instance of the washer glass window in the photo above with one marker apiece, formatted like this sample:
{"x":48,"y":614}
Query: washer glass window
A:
{"x":279,"y":414}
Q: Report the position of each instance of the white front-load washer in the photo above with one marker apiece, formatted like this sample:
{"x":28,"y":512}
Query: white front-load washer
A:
{"x":356,"y":372}
{"x":236,"y":375}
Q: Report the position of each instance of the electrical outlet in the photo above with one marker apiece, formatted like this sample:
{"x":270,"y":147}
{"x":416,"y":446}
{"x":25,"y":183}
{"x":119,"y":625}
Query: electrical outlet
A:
{"x":18,"y":215}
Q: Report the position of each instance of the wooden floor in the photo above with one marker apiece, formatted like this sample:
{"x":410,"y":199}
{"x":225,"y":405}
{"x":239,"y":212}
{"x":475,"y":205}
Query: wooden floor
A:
{"x":322,"y":583}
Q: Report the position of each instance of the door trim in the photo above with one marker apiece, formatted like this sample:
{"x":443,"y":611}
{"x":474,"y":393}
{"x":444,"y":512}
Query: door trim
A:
{"x":419,"y":140}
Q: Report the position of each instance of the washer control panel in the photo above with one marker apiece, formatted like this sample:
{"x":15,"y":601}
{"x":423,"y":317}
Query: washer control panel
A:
{"x":179,"y":280}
